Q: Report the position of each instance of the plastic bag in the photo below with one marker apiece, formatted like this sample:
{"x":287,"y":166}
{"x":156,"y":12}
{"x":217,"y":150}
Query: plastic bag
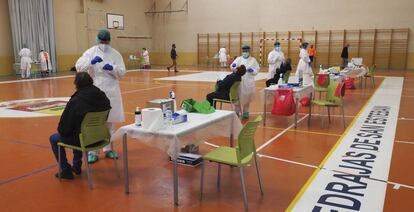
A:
{"x":191,"y":106}
{"x":284,"y":104}
{"x":305,"y":101}
{"x":349,"y":83}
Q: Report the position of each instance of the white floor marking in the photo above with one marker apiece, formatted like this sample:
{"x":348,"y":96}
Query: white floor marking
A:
{"x":207,"y":76}
{"x":37,"y":79}
{"x":210,"y":144}
{"x":279,"y":134}
{"x":288,"y":161}
{"x":406,"y":119}
{"x":144,"y":89}
{"x":364,"y":152}
{"x":404,"y":142}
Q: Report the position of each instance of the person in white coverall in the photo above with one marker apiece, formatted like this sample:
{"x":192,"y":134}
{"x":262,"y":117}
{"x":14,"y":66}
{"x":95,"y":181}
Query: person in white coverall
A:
{"x":247,"y":86}
{"x":223,"y":57}
{"x":275,"y":60}
{"x":25,"y":61}
{"x":106,"y":66}
{"x":45,"y":65}
{"x":145,"y":55}
{"x":304,"y":69}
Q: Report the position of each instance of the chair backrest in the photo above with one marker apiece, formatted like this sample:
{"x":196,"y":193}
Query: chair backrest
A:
{"x":94,"y":128}
{"x":286,"y":77}
{"x":332,"y":90}
{"x":321,"y":80}
{"x":234,"y":92}
{"x":246,"y":146}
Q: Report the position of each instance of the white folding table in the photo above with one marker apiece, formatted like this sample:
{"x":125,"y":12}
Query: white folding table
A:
{"x":299,"y":92}
{"x":198,"y":128}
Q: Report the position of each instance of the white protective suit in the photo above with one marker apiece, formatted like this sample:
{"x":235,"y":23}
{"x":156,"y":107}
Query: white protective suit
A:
{"x":145,"y":55}
{"x":107,"y":81}
{"x":275,"y":60}
{"x":223,"y":55}
{"x":247,"y":86}
{"x":304,"y":69}
{"x":25,"y":62}
{"x":44,"y":59}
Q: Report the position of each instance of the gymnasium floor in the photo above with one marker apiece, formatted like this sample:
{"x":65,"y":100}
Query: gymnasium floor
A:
{"x":27,"y":179}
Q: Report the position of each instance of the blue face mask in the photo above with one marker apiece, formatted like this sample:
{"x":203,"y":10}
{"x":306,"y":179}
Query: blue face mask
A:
{"x":245,"y":55}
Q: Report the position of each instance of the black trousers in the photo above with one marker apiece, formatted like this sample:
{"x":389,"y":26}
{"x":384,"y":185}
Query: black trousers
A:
{"x":217,"y":95}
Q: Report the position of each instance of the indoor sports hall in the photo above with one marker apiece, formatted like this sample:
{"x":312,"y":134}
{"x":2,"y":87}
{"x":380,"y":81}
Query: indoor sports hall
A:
{"x":195,"y":105}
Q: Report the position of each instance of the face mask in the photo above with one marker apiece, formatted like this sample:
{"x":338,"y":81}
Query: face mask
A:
{"x":245,"y":55}
{"x":278,"y":48}
{"x":103,"y":47}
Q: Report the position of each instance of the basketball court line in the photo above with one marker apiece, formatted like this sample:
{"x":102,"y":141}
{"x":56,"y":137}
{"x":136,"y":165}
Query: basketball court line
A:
{"x":25,"y":143}
{"x":404,"y":142}
{"x":303,"y":131}
{"x":27,"y":175}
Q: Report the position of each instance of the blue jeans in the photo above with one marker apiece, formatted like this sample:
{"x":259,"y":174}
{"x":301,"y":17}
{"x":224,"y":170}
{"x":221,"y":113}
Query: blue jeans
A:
{"x":65,"y":166}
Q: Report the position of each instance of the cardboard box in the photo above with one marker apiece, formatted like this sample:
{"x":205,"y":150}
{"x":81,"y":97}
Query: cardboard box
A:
{"x":189,"y":159}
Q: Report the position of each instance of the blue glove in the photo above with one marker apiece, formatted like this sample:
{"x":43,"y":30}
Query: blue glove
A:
{"x":250,"y":70}
{"x":96,"y":59}
{"x":108,"y":67}
{"x":234,"y":65}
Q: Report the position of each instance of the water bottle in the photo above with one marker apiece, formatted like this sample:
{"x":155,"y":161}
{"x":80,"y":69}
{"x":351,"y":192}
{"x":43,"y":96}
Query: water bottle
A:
{"x":320,"y":68}
{"x":280,"y":81}
{"x":172,"y":96}
{"x":168,"y":118}
{"x":138,"y":117}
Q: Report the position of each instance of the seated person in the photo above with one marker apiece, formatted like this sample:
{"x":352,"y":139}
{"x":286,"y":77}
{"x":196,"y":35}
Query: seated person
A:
{"x":284,"y":67}
{"x":223,"y":86}
{"x":87,"y":98}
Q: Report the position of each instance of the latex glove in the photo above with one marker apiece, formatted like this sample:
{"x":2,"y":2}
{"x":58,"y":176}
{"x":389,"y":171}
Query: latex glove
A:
{"x":234,"y":65}
{"x":250,"y":70}
{"x":108,"y":67}
{"x":96,"y":59}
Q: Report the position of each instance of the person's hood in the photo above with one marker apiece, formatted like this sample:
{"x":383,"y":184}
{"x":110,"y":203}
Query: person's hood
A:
{"x":93,"y":96}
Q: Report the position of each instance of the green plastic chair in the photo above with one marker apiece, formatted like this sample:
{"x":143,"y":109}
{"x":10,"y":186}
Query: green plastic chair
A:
{"x":240,"y":156}
{"x":94,"y":136}
{"x":331,"y":100}
{"x":233,"y":96}
{"x":286,"y":77}
{"x":320,"y":87}
{"x":370,"y":74}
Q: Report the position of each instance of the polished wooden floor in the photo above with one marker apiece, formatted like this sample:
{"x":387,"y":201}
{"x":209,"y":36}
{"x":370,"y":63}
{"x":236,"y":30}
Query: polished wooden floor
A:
{"x":27,"y":181}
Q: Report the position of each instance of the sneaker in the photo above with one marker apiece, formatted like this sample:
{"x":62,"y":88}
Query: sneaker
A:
{"x":92,"y":158}
{"x":245,"y":115}
{"x":176,"y":71}
{"x":112,"y":155}
{"x":168,"y":68}
{"x":77,"y":171}
{"x":65,"y":174}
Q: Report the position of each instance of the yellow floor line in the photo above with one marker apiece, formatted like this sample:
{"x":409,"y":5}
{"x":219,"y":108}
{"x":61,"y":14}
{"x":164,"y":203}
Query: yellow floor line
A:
{"x":315,"y":173}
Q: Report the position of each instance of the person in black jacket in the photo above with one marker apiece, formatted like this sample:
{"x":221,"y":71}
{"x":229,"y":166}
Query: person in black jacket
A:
{"x":173,"y":56}
{"x":87,"y":98}
{"x":223,"y":86}
{"x":345,"y":56}
{"x":285,"y":67}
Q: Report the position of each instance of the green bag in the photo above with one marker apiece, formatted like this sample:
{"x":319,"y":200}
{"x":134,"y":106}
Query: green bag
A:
{"x":191,"y":105}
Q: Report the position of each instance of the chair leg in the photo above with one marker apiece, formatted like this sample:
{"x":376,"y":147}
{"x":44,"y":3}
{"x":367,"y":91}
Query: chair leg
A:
{"x":310,"y":113}
{"x":373,"y":81}
{"x":59,"y":162}
{"x":116,"y":168}
{"x":218,"y":174}
{"x":85,"y":158}
{"x":329,"y":115}
{"x":243,"y":189}
{"x":201,"y":180}
{"x":258,"y":174}
{"x":221,"y":105}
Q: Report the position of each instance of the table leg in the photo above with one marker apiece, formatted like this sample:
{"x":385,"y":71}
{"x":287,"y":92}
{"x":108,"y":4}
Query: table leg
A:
{"x":232,"y":132}
{"x":264,"y":108}
{"x":125,"y":155}
{"x":175,"y":176}
{"x":296,"y":112}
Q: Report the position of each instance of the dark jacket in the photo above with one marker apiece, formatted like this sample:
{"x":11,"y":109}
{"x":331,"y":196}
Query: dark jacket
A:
{"x":89,"y":99}
{"x":223,"y":86}
{"x":344,"y":53}
{"x":173,"y":54}
{"x":285,"y":67}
